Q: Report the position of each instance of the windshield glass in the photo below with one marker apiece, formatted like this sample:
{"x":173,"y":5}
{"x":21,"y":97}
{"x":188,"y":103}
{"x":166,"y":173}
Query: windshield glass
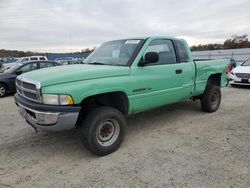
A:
{"x":116,"y":53}
{"x":246,"y":63}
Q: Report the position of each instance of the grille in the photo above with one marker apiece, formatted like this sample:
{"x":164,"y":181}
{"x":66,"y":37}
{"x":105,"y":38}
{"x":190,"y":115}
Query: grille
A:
{"x":243,"y":75}
{"x":29,"y":86}
{"x":28,"y":90}
{"x":18,"y":82}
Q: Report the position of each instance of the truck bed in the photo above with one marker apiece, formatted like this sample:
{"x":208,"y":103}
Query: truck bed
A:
{"x":205,"y":68}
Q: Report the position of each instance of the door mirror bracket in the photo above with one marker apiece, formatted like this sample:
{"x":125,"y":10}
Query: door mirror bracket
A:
{"x":150,"y":57}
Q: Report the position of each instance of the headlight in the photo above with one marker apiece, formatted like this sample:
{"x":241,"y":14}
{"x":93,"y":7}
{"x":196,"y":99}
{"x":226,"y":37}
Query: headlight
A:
{"x":59,"y":99}
{"x":232,"y":73}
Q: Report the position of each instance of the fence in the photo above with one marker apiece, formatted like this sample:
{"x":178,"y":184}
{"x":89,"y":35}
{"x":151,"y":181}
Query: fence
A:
{"x":239,"y":55}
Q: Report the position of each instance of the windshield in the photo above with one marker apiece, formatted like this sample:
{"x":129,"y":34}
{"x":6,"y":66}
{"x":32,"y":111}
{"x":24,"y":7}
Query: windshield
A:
{"x":116,"y":53}
{"x":246,"y":63}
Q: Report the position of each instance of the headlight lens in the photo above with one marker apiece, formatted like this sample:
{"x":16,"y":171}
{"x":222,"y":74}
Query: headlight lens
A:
{"x":54,"y":99}
{"x":232,"y":73}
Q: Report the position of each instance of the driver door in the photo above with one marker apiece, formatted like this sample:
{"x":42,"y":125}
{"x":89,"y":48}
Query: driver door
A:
{"x":158,"y":83}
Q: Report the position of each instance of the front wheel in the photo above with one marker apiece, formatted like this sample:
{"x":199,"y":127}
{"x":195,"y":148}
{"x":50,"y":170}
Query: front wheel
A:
{"x":211,"y":98}
{"x":103,"y":130}
{"x":3,"y":90}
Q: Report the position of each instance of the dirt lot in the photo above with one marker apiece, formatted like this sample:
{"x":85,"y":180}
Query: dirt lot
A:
{"x":174,"y":146}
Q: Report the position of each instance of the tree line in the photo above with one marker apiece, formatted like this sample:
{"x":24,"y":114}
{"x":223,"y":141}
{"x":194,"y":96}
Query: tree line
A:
{"x":17,"y":53}
{"x":236,"y":41}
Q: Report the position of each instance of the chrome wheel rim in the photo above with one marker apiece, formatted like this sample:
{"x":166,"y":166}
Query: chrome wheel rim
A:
{"x":2,"y":91}
{"x":108,"y":132}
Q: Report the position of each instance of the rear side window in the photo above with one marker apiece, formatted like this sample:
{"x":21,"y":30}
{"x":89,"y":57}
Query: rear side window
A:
{"x":33,"y":58}
{"x":47,"y":64}
{"x":165,"y":49}
{"x":182,"y":51}
{"x":42,"y":58}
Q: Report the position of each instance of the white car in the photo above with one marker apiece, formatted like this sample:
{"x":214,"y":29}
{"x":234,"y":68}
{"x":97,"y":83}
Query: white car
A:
{"x":31,"y":58}
{"x":241,"y":74}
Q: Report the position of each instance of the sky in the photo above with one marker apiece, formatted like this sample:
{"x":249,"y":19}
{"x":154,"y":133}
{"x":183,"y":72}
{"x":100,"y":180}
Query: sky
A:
{"x":72,"y":25}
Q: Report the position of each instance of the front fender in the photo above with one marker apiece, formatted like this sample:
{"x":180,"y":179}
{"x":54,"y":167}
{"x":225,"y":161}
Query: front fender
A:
{"x":80,"y":90}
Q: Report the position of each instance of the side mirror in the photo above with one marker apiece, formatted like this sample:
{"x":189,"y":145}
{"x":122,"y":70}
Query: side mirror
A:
{"x":150,"y":57}
{"x":19,"y":72}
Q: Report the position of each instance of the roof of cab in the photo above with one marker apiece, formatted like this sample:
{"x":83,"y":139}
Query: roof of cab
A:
{"x":153,"y":37}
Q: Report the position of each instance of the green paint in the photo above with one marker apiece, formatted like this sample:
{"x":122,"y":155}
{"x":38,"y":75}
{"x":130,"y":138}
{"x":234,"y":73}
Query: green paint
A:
{"x":146,"y":87}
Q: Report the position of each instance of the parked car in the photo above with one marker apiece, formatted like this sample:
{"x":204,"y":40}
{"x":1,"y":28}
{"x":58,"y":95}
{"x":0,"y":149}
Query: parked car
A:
{"x":5,"y":61}
{"x":7,"y":79}
{"x":7,"y":66}
{"x":8,"y":60}
{"x":241,"y":74}
{"x":70,"y":62}
{"x":1,"y":68}
{"x":118,"y":79}
{"x":32,"y":58}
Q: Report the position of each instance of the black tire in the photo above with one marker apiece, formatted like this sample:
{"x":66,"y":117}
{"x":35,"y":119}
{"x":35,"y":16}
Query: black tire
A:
{"x":211,"y":98}
{"x":3,"y":90}
{"x":233,"y":85}
{"x":103,"y":130}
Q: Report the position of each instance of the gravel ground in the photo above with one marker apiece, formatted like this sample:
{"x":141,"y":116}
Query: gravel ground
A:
{"x":173,"y":146}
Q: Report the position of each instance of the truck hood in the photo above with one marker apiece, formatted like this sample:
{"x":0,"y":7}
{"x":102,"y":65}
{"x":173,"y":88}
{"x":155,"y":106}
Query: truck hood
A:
{"x":242,"y":69}
{"x":71,"y":73}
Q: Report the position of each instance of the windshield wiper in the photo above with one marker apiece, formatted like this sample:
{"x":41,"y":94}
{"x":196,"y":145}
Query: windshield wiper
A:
{"x":97,"y":63}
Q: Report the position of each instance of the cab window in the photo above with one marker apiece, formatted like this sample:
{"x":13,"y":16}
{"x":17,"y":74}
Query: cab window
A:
{"x":181,"y":47}
{"x":165,"y":50}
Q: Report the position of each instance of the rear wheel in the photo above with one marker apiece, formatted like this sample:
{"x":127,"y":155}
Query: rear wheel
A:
{"x":103,"y":130}
{"x":3,"y":90}
{"x":210,"y":100}
{"x":233,"y":85}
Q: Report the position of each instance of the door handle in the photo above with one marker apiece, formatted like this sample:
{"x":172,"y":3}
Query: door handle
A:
{"x":178,"y":71}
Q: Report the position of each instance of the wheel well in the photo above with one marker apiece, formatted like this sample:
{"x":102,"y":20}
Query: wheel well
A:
{"x":5,"y":85}
{"x":117,"y":100}
{"x":214,"y":79}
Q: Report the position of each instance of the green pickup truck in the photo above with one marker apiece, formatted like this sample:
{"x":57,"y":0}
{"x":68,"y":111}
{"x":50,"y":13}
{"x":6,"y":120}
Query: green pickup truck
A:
{"x":119,"y":78}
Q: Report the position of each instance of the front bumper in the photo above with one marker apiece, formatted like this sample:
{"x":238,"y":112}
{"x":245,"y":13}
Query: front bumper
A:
{"x":234,"y":80}
{"x":47,"y":117}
